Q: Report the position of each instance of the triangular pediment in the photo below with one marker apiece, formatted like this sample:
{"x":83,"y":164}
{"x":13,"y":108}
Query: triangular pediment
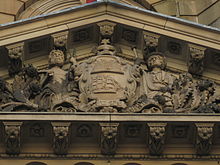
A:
{"x":101,"y":80}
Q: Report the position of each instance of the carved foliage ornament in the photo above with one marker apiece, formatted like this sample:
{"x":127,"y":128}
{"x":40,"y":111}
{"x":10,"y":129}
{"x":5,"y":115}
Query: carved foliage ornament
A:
{"x":106,"y":28}
{"x":15,"y":54}
{"x":151,"y":42}
{"x":204,"y":138}
{"x":109,"y":139}
{"x":196,"y":60}
{"x":12,"y":137}
{"x":156,"y":138}
{"x":61,"y":138}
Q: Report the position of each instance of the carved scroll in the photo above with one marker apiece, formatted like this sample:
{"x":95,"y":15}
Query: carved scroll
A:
{"x":12,"y":137}
{"x":156,"y":138}
{"x":151,"y":42}
{"x":196,"y":60}
{"x":61,"y":137}
{"x":15,"y":54}
{"x":204,"y":138}
{"x":109,"y":139}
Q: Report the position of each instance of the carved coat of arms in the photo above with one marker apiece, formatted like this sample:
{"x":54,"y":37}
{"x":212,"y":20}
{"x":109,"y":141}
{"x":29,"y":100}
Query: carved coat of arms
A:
{"x":106,"y":82}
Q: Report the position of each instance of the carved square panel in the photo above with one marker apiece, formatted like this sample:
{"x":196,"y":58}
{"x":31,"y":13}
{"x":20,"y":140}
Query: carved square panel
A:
{"x":82,"y":35}
{"x":37,"y":47}
{"x":180,"y":131}
{"x":174,"y":47}
{"x":84,"y":130}
{"x":129,"y":35}
{"x":132,"y":130}
{"x":36,"y":130}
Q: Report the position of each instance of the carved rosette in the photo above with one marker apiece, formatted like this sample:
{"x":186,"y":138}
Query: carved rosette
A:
{"x":109,"y":139}
{"x":151,"y":41}
{"x":204,"y":138}
{"x":196,"y":60}
{"x":12,"y":137}
{"x":156,"y":138}
{"x":61,"y":137}
{"x":106,"y":29}
{"x":15,"y":54}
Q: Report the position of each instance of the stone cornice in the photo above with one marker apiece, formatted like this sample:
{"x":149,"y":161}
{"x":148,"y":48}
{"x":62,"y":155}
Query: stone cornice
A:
{"x":105,"y":117}
{"x":108,"y":10}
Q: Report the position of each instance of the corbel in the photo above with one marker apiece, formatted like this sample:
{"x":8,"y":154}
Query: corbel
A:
{"x":151,"y":42}
{"x":60,"y":41}
{"x":106,"y":29}
{"x":156,"y":140}
{"x":12,"y":137}
{"x":15,"y":54}
{"x":61,"y":137}
{"x":204,"y":135}
{"x":196,"y":59}
{"x":109,"y":138}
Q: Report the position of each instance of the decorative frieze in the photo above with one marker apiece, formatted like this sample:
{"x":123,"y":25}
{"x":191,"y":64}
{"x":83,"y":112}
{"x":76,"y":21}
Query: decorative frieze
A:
{"x":12,"y":137}
{"x":15,"y":54}
{"x":61,"y":139}
{"x":109,"y":139}
{"x":156,"y":140}
{"x":204,"y":138}
{"x":196,"y":60}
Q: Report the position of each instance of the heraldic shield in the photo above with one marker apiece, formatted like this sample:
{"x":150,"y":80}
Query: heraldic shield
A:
{"x":106,"y":85}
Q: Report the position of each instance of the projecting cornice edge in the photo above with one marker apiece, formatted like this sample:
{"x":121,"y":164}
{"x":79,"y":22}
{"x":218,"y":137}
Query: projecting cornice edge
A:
{"x":112,"y":11}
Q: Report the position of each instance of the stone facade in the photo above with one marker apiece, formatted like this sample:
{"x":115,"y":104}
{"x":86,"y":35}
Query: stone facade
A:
{"x":108,"y":83}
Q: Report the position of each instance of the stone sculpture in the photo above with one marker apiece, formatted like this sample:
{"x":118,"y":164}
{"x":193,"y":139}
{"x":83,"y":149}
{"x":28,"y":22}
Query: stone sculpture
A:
{"x":107,"y":82}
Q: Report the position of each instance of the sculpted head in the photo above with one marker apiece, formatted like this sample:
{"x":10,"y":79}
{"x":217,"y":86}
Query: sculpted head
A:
{"x":156,"y":60}
{"x":56,"y":58}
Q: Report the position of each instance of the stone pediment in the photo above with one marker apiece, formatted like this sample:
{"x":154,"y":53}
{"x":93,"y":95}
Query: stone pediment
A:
{"x":109,"y":57}
{"x":114,"y":81}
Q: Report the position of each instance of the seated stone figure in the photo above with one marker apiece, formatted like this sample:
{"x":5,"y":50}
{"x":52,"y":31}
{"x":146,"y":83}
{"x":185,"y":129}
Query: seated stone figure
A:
{"x":157,"y":83}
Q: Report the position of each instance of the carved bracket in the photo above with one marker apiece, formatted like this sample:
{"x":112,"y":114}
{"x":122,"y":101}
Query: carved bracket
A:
{"x":60,"y":41}
{"x":204,"y":138}
{"x":109,"y":138}
{"x":12,"y":137}
{"x":106,"y":29}
{"x":156,"y":138}
{"x":151,"y":42}
{"x":15,"y":54}
{"x":196,"y":59}
{"x":61,"y":137}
